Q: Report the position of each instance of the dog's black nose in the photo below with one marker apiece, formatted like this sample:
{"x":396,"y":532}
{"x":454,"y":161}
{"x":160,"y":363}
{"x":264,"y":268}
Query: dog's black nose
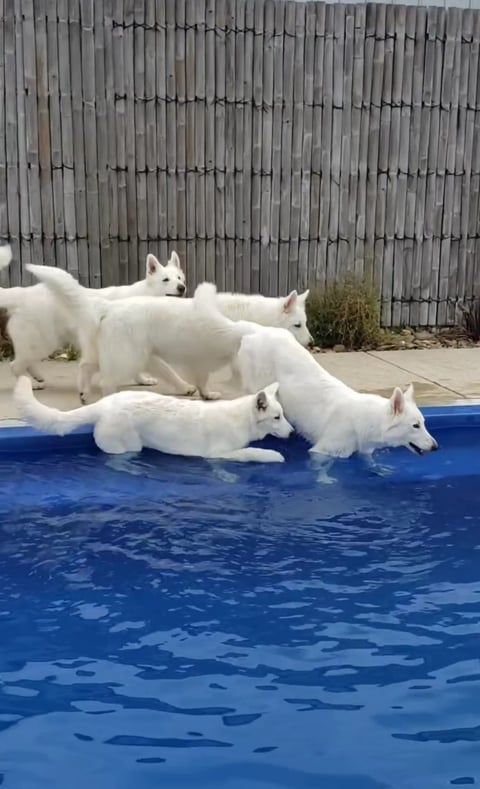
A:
{"x":435,"y":446}
{"x":181,"y":288}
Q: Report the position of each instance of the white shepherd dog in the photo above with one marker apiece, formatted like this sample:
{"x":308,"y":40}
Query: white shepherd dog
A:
{"x":128,"y":421}
{"x":119,"y":339}
{"x":335,"y":419}
{"x":39,"y":324}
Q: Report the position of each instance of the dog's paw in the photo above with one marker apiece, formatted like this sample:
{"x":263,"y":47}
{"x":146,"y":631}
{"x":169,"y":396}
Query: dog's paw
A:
{"x":271,"y":456}
{"x":146,"y":380}
{"x":211,"y":395}
{"x":36,"y":384}
{"x":189,"y":391}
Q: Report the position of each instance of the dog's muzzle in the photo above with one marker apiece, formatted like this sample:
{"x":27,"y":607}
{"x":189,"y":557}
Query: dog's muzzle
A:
{"x":420,"y":451}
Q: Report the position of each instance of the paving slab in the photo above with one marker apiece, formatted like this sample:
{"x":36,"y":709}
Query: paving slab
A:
{"x":454,"y":369}
{"x":369,"y":372}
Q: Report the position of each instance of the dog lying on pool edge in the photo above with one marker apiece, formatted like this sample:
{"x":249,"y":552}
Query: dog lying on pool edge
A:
{"x":128,"y":421}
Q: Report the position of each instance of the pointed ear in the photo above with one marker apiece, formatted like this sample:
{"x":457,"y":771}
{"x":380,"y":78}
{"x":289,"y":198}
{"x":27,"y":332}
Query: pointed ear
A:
{"x":153,"y":265}
{"x":409,"y":393}
{"x":261,"y":401}
{"x":302,"y":297}
{"x":272,"y":389}
{"x":397,"y":401}
{"x":174,"y":260}
{"x":290,"y":301}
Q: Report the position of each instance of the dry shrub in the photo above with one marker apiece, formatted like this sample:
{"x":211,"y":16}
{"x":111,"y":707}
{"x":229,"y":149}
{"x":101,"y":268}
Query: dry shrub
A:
{"x":345,"y":314}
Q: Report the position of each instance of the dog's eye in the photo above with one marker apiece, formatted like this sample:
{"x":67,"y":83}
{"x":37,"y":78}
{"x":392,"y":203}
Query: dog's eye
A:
{"x":166,"y":279}
{"x":297,"y":325}
{"x":276,"y":417}
{"x":416,"y":425}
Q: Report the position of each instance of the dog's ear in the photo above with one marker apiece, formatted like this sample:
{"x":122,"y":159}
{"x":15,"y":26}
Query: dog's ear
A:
{"x":397,"y":401}
{"x":261,"y":401}
{"x":409,"y":393}
{"x":153,"y":265}
{"x":290,"y":301}
{"x":272,"y":389}
{"x":302,"y":297}
{"x":174,"y":260}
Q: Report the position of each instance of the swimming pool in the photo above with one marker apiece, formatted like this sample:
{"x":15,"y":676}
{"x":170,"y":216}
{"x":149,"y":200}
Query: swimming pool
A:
{"x":169,"y":622}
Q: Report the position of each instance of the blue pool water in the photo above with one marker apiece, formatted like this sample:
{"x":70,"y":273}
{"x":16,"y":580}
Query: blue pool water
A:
{"x":169,"y":622}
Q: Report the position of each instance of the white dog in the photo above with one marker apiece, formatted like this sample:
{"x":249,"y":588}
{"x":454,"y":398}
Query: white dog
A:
{"x":128,"y":421}
{"x":38,"y":324}
{"x":119,"y":339}
{"x":335,"y":419}
{"x":283,"y":313}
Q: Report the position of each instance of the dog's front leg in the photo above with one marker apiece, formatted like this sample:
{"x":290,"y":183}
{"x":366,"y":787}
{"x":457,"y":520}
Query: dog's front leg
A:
{"x":373,"y":466}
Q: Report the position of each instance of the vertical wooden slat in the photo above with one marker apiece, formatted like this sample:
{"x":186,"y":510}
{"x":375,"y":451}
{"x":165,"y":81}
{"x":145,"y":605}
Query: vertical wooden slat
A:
{"x":24,"y":227}
{"x":345,"y":259}
{"x":120,"y":161}
{"x":200,"y":93}
{"x":333,"y":272}
{"x":368,"y":153}
{"x":356,"y":246}
{"x":326,"y":150}
{"x":140,"y":135}
{"x":210,"y":146}
{"x":472,"y":163}
{"x":107,"y":147}
{"x":240,"y":261}
{"x":393,"y":219}
{"x":415,"y":196}
{"x":297,"y":146}
{"x":11,"y":142}
{"x":190,"y":264}
{"x":181,"y":95}
{"x":67,"y":139}
{"x":90,"y":108}
{"x":55,"y":136}
{"x":44,"y":151}
{"x":150,"y":134}
{"x":4,"y":275}
{"x":384,"y":245}
{"x":256,"y":142}
{"x":266,"y":152}
{"x":287,"y":123}
{"x":405,"y":240}
{"x":78,"y":140}
{"x":316,"y":259}
{"x":247,"y":144}
{"x":446,"y":157}
{"x":130,"y":139}
{"x":374,"y":246}
{"x":427,"y":164}
{"x":307,"y":145}
{"x":230,"y":145}
{"x":220,"y":67}
{"x":161,"y":91}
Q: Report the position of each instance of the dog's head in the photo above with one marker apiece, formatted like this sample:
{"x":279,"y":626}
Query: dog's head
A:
{"x":294,"y":317}
{"x":166,"y":280}
{"x":407,"y":425}
{"x":268,"y":414}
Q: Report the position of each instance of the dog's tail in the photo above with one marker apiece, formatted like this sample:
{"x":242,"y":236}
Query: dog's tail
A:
{"x":50,"y":420}
{"x":68,"y":292}
{"x":5,"y":256}
{"x":206,"y":302}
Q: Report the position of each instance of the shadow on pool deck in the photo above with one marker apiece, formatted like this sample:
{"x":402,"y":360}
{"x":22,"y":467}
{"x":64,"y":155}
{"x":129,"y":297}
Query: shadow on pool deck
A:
{"x":440,"y":376}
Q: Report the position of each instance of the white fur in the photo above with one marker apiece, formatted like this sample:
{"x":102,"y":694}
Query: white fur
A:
{"x":39,"y":324}
{"x":119,"y":339}
{"x":334,"y":418}
{"x":128,"y":421}
{"x":283,"y":313}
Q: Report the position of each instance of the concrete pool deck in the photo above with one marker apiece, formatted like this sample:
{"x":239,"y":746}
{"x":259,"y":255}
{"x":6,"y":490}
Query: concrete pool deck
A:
{"x":441,"y":376}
